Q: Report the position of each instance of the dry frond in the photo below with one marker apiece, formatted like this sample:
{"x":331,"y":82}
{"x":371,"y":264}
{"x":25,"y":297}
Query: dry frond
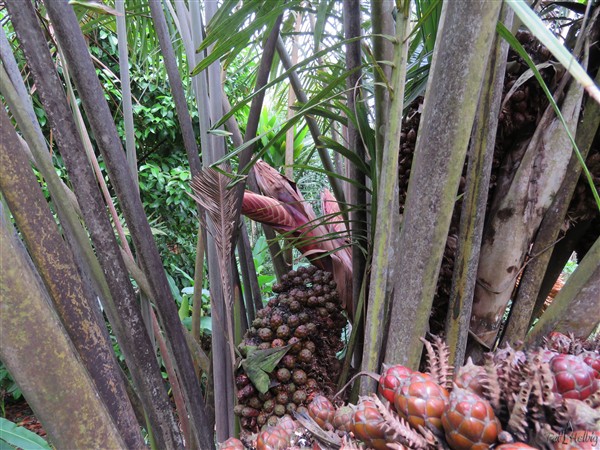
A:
{"x":212,"y":192}
{"x":492,"y":390}
{"x":438,"y":361}
{"x":517,"y":423}
{"x":397,"y":429}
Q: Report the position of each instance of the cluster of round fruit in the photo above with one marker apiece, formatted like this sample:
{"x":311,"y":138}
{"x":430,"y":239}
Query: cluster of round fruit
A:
{"x":306,"y":318}
{"x":464,"y":417}
{"x":425,"y":412}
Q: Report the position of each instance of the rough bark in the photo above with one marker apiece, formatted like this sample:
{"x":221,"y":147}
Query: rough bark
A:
{"x":47,"y":369}
{"x":575,"y":308}
{"x":512,"y":226}
{"x":74,"y":299}
{"x":481,"y":152}
{"x":462,"y":49}
{"x":129,"y":328}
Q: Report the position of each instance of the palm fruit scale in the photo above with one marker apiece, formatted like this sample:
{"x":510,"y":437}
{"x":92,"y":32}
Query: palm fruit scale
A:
{"x":305,"y":315}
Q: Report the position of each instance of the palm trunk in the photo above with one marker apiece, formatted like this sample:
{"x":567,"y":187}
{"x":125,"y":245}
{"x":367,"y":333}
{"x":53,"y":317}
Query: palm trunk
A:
{"x":518,"y":215}
{"x":449,"y":110}
{"x":57,"y":388}
{"x":129,"y":328}
{"x":480,"y":158}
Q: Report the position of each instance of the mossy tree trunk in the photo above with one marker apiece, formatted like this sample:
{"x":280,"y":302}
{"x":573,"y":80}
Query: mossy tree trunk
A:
{"x":460,"y":57}
{"x":47,"y":369}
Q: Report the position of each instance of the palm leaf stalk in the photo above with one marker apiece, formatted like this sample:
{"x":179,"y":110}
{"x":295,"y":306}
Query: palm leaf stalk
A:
{"x":383,"y":51}
{"x":441,"y":146}
{"x":73,"y":298}
{"x":134,"y":343}
{"x":65,"y":202}
{"x":126,"y":88}
{"x":530,"y":284}
{"x":183,"y":114}
{"x":56,"y":388}
{"x":99,"y":116}
{"x":386,"y":218}
{"x":16,"y":96}
{"x":480,"y":159}
{"x":146,"y":308}
{"x":357,"y":197}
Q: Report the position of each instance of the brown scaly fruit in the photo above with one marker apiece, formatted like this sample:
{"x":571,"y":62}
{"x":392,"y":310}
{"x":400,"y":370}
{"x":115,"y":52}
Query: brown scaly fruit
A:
{"x":421,"y":401}
{"x":470,"y":377}
{"x":469,"y":421}
{"x":322,"y":411}
{"x":312,"y":335}
{"x":232,"y":444}
{"x":573,"y":377}
{"x":368,"y":425}
{"x":342,"y":419}
{"x":273,"y":438}
{"x":391,"y":379}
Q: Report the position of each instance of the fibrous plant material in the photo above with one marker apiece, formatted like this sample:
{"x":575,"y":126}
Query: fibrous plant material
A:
{"x":396,"y":429}
{"x":438,"y":361}
{"x":212,"y":193}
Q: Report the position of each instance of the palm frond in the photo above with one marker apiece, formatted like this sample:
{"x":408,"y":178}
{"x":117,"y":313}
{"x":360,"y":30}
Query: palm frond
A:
{"x":211,"y":191}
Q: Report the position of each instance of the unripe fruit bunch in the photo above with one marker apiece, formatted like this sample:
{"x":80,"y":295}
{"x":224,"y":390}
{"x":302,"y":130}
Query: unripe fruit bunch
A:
{"x":306,"y":316}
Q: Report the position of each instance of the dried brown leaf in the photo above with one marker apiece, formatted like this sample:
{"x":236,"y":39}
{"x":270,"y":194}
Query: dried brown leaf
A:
{"x":397,"y":429}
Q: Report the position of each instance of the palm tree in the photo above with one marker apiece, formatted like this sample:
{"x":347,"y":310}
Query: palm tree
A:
{"x":434,"y":144}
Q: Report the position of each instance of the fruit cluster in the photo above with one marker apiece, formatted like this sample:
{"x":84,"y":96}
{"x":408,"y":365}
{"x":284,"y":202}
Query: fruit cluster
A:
{"x":542,"y":398}
{"x":306,"y":319}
